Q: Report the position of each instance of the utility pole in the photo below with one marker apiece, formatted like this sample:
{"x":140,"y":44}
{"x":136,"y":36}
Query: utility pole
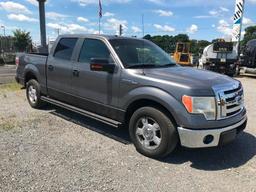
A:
{"x":3,"y":27}
{"x":42,"y":24}
{"x":58,"y":31}
{"x":120,"y":30}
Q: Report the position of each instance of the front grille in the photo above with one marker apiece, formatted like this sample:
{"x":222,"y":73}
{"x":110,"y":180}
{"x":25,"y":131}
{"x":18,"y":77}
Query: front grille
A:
{"x":230,"y":100}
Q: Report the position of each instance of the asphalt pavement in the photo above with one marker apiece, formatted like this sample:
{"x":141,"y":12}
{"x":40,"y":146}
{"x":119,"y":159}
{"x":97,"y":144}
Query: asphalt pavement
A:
{"x":7,"y":73}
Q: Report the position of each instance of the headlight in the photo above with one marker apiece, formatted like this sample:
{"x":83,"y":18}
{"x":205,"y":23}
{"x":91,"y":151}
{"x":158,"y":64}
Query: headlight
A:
{"x":201,"y":105}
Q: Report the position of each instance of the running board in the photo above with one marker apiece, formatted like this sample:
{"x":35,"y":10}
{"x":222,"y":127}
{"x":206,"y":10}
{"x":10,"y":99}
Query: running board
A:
{"x":82,"y":112}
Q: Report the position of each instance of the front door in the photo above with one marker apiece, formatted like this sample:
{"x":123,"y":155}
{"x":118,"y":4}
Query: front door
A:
{"x":95,"y":91}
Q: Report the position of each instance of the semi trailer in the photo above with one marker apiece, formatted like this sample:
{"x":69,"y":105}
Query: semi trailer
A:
{"x":220,"y":57}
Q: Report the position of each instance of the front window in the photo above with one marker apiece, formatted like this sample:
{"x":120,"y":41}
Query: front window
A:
{"x":135,"y":53}
{"x":93,"y":49}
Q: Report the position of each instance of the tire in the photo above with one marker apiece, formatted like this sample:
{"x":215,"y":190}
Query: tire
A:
{"x":206,"y":67}
{"x":33,"y":93}
{"x":231,"y":73}
{"x":153,"y":120}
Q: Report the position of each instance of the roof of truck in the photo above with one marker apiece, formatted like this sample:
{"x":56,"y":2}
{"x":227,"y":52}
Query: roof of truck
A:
{"x":108,"y":37}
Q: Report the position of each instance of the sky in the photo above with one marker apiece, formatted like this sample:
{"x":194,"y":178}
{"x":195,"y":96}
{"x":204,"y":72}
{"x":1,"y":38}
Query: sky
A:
{"x":200,"y":19}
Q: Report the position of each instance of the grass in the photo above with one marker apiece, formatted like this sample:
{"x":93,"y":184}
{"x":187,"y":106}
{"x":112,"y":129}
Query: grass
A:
{"x":6,"y":126}
{"x":10,"y":87}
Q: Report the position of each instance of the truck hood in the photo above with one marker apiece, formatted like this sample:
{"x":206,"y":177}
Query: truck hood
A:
{"x":198,"y":81}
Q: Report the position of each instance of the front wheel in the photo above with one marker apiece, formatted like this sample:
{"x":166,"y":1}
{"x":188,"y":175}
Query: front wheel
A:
{"x":152,"y":132}
{"x":33,"y":93}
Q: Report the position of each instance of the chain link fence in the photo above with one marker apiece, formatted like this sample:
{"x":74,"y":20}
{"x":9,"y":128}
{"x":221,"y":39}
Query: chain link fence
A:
{"x":7,"y":50}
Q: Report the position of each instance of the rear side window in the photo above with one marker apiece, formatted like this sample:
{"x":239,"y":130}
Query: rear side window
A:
{"x":65,"y":48}
{"x":93,"y":48}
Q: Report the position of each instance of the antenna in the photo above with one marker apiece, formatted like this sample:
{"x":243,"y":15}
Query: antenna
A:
{"x":143,"y":26}
{"x":142,"y":22}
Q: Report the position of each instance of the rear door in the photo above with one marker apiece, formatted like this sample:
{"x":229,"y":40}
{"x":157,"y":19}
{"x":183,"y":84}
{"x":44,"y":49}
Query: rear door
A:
{"x":59,"y":69}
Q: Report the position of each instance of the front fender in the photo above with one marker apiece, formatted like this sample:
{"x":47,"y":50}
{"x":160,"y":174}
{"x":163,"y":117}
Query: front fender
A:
{"x":159,"y":96}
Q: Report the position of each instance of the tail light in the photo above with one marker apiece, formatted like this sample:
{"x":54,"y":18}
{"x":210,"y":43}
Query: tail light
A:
{"x":17,"y":61}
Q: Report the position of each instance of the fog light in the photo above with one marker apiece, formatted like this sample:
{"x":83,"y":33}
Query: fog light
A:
{"x":208,"y":139}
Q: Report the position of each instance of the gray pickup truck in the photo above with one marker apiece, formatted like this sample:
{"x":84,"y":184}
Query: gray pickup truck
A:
{"x":132,"y":82}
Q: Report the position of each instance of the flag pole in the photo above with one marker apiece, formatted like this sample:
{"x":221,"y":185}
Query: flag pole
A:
{"x":100,"y":15}
{"x":99,"y":25}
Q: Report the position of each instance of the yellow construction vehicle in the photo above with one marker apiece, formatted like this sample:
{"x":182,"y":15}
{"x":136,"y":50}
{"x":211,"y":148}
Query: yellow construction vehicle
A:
{"x":182,"y":54}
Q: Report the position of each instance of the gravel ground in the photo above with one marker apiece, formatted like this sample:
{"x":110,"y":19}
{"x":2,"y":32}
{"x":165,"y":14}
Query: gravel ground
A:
{"x":57,"y":150}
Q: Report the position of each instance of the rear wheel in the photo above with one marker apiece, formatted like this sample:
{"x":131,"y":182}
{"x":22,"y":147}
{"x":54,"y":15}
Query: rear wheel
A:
{"x":152,"y":132}
{"x":206,"y":66}
{"x":33,"y":93}
{"x":232,"y":72}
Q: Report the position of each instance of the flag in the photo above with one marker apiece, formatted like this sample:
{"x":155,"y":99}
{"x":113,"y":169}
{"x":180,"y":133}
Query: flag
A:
{"x":100,"y":9}
{"x":238,"y":20}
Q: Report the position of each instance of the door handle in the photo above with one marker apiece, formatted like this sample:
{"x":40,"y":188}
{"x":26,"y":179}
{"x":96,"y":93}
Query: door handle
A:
{"x":75,"y":73}
{"x":50,"y":67}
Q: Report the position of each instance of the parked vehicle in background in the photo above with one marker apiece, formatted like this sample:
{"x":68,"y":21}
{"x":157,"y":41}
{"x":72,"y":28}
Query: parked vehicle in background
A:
{"x":133,"y":82}
{"x":195,"y":60}
{"x":182,"y":54}
{"x":220,"y":57}
{"x":248,"y":57}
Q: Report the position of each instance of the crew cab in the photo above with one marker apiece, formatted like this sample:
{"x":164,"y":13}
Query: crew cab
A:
{"x":134,"y":83}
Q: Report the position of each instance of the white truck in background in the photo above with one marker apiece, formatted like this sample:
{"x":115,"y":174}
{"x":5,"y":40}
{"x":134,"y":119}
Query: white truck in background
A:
{"x":223,"y":56}
{"x":220,"y":57}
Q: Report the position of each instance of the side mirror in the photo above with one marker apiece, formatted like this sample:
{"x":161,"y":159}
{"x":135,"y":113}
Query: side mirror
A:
{"x":102,"y":65}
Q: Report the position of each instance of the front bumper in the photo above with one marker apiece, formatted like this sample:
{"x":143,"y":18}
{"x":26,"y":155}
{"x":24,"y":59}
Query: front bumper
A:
{"x":210,"y":137}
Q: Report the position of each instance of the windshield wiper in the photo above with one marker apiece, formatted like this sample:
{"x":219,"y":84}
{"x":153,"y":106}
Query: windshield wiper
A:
{"x":142,"y":66}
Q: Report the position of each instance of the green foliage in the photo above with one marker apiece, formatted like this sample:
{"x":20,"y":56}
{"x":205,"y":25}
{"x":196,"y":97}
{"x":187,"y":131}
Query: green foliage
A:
{"x":168,"y":43}
{"x":197,"y":46}
{"x":7,"y":126}
{"x":22,"y":40}
{"x":250,"y":33}
{"x":9,"y":87}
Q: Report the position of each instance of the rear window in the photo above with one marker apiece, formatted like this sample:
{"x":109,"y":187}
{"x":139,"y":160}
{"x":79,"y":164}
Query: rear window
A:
{"x":65,"y":48}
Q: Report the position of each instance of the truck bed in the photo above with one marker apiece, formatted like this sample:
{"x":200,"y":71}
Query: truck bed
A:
{"x":38,"y":60}
{"x":35,"y":58}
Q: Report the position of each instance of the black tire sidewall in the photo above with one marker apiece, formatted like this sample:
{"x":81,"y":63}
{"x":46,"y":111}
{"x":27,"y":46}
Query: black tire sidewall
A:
{"x":168,"y":132}
{"x":36,"y":85}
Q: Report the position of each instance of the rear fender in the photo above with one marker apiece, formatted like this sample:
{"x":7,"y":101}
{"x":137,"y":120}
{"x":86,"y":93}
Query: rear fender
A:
{"x":29,"y":68}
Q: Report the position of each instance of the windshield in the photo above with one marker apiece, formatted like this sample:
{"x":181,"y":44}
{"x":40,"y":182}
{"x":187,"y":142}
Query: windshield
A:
{"x":135,"y":53}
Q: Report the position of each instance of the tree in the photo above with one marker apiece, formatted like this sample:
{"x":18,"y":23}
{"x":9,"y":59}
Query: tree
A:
{"x":22,"y":40}
{"x":168,"y":43}
{"x":197,"y":46}
{"x":148,"y":37}
{"x":181,"y":38}
{"x":250,"y":33}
